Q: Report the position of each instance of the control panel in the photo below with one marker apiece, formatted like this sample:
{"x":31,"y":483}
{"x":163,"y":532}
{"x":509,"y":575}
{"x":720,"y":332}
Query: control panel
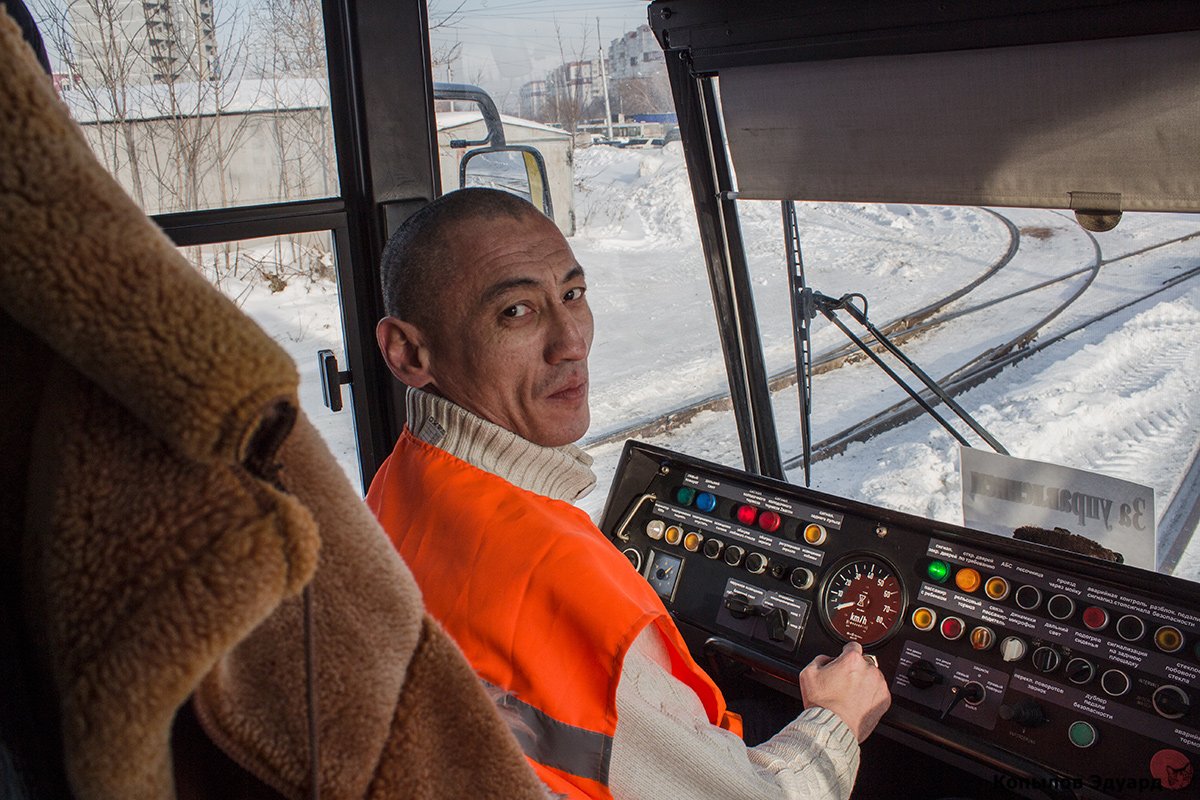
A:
{"x":1047,"y":666}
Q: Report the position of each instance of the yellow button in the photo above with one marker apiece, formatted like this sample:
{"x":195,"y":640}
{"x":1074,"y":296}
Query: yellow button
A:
{"x":814,"y":534}
{"x":923,"y":619}
{"x":967,"y":579}
{"x":1168,"y":638}
{"x":692,"y":541}
{"x":996,"y":588}
{"x":673,"y":534}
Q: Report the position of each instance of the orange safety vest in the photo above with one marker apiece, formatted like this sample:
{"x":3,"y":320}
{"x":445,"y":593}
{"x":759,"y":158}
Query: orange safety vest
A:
{"x":543,"y":606}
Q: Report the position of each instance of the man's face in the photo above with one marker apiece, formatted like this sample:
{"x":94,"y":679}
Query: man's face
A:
{"x":512,"y":330}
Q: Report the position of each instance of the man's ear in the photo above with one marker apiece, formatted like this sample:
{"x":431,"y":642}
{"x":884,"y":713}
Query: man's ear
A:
{"x":404,"y":350}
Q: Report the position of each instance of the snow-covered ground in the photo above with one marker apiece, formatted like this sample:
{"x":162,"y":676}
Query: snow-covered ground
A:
{"x":1119,"y":397}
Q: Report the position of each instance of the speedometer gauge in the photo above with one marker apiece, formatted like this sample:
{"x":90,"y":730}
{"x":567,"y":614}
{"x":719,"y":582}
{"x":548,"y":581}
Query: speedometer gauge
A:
{"x":862,"y":599}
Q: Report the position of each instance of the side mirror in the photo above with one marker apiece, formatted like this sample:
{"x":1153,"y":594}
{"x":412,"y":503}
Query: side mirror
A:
{"x":517,"y":169}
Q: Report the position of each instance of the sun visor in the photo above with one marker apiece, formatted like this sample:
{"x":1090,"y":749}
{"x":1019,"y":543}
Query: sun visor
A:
{"x":1103,"y":125}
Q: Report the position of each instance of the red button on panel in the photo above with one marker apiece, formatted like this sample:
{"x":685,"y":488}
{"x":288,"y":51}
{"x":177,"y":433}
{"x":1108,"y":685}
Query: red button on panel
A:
{"x":952,"y":628}
{"x":769,"y":521}
{"x":747,"y":514}
{"x":1095,"y":618}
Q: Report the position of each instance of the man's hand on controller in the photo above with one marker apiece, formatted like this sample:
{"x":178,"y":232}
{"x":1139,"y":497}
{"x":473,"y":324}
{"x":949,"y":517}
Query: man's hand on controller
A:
{"x":850,"y":686}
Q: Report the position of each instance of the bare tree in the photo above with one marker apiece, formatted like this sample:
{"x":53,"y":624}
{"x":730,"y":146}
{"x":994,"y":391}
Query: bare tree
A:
{"x":104,"y":49}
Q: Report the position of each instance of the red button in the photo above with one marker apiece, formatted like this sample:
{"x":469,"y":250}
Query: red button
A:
{"x":1095,"y":618}
{"x":769,"y":521}
{"x":952,"y":627}
{"x":747,"y":514}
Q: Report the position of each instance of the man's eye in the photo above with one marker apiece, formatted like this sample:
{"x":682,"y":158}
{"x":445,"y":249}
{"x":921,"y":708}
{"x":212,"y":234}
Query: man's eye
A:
{"x":574,"y":294}
{"x":518,"y":310}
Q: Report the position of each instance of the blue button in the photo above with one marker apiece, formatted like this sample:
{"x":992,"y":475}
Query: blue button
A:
{"x":705,"y":501}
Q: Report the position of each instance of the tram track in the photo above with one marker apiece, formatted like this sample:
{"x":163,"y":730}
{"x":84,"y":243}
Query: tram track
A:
{"x":1183,"y":512}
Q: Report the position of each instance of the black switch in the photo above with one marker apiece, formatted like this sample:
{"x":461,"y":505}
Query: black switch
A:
{"x":740,"y":606}
{"x":777,"y":623}
{"x":922,"y":674}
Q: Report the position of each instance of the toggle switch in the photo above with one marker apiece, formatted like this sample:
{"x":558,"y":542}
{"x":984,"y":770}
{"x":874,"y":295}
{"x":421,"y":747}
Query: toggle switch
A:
{"x":923,"y":674}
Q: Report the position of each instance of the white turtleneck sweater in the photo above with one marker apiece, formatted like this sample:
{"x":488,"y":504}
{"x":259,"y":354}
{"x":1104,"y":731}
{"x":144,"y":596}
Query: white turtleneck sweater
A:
{"x":664,"y":747}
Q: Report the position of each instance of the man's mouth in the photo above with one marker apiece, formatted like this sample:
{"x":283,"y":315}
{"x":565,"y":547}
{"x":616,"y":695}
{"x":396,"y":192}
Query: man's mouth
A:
{"x":576,"y":389}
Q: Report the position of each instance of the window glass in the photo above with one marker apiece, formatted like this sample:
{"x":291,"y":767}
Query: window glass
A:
{"x":1106,"y":326}
{"x":199,"y":104}
{"x":575,"y":81}
{"x":287,"y":285}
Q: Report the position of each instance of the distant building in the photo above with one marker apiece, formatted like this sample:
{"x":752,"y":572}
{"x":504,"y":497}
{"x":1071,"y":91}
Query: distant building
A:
{"x":637,"y":54}
{"x":138,"y":42}
{"x":575,"y":81}
{"x":533,"y":99}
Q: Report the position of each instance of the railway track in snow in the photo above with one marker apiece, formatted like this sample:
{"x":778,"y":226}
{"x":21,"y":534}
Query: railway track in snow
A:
{"x":1183,"y":512}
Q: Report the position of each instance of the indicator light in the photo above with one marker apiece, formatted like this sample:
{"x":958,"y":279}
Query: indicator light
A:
{"x":814,"y":534}
{"x":1029,"y":597}
{"x":1095,"y":618}
{"x":967,"y":579}
{"x":685,"y":495}
{"x":1060,"y":606}
{"x":996,"y":588}
{"x":692,"y":541}
{"x":1115,"y":682}
{"x":923,"y":619}
{"x":705,"y":501}
{"x":747,"y":514}
{"x":673,"y":534}
{"x":769,"y":521}
{"x":982,"y":638}
{"x":655,"y":528}
{"x":1082,"y":734}
{"x":952,"y":628}
{"x":1168,"y":638}
{"x":1131,"y":628}
{"x":938,"y":571}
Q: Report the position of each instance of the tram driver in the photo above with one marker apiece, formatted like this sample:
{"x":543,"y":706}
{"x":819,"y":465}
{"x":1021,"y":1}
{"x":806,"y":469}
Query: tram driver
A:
{"x":490,"y":329}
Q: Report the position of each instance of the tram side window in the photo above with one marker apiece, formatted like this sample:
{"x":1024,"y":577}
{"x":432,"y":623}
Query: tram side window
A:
{"x":198,"y":105}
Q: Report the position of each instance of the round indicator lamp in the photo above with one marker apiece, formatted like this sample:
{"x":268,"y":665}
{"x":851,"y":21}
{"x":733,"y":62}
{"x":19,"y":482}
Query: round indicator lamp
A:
{"x":685,"y":495}
{"x":747,"y":514}
{"x":952,"y":628}
{"x":692,"y":540}
{"x":1168,"y":638}
{"x":996,"y":588}
{"x":655,"y":528}
{"x":673,"y":534}
{"x":1095,"y":618}
{"x":705,"y":501}
{"x":938,"y":571}
{"x":1131,"y":628}
{"x":924,"y":618}
{"x":967,"y":579}
{"x":1082,"y":734}
{"x":769,"y":521}
{"x":814,"y":534}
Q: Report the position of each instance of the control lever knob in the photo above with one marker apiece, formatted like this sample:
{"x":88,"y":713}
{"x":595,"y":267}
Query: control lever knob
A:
{"x":971,"y":692}
{"x":740,"y":606}
{"x":1170,"y":701}
{"x":923,"y":674}
{"x":1026,"y":713}
{"x":777,"y":623}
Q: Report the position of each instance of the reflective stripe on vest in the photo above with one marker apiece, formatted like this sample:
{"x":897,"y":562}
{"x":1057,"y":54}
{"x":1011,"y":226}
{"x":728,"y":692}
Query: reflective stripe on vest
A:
{"x":543,"y":606}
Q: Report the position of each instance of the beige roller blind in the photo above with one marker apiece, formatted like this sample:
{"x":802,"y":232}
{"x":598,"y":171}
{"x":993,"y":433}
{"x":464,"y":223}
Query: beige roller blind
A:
{"x":1112,"y":124}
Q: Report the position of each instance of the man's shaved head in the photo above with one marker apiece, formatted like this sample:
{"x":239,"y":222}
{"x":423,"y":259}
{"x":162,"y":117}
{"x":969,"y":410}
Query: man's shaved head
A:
{"x":418,"y":260}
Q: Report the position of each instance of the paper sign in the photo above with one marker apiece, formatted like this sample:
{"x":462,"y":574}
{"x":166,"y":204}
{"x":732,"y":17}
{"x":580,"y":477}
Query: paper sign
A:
{"x":1002,"y":493}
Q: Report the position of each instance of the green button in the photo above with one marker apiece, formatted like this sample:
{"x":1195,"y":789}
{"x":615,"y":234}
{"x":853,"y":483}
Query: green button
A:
{"x":938,"y":571}
{"x":685,"y":495}
{"x":1082,"y":734}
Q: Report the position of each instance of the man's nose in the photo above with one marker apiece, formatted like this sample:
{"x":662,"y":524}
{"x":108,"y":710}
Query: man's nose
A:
{"x":569,"y":339}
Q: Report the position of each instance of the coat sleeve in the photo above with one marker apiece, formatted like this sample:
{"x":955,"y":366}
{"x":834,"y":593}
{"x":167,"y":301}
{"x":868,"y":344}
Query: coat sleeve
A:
{"x":665,"y":748}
